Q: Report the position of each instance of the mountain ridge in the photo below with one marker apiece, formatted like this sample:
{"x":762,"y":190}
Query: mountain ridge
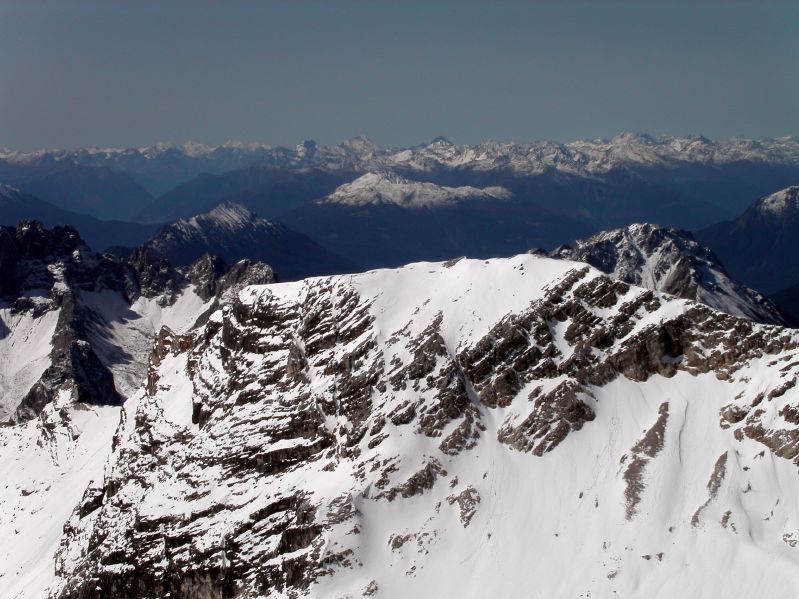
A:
{"x":17,"y":205}
{"x":759,"y":247}
{"x":233,"y":232}
{"x":533,"y":400}
{"x":670,"y":260}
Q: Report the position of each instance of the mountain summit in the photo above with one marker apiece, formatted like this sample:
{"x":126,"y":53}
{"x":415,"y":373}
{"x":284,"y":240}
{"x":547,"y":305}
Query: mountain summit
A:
{"x":232,"y":232}
{"x":672,"y":261}
{"x":760,"y":247}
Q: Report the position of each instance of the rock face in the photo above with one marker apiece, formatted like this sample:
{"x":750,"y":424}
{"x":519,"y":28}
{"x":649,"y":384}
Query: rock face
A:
{"x":670,"y":260}
{"x":759,"y":247}
{"x":45,"y":272}
{"x":76,"y":330}
{"x":424,"y":431}
{"x":78,"y":325}
{"x":233,"y":233}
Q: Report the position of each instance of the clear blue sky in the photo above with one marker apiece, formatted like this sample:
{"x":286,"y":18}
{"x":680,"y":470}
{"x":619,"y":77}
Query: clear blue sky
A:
{"x":131,"y":73}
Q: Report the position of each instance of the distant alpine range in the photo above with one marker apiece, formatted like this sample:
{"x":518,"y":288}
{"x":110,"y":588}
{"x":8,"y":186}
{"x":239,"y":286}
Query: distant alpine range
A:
{"x":373,"y":206}
{"x":353,"y":371}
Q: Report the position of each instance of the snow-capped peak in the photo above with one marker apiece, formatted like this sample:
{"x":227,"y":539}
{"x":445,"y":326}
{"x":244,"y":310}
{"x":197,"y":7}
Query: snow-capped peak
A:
{"x":781,"y":202}
{"x":672,"y":261}
{"x":230,"y":213}
{"x":387,"y":187}
{"x":360,"y":144}
{"x":227,"y":216}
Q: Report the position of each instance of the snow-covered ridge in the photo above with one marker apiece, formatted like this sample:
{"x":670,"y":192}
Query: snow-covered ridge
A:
{"x":389,"y":188}
{"x":423,"y":431}
{"x":779,"y":203}
{"x":227,"y":215}
{"x":672,"y":261}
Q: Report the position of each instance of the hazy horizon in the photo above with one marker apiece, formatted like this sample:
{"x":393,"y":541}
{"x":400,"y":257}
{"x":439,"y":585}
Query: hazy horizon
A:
{"x":119,"y":74}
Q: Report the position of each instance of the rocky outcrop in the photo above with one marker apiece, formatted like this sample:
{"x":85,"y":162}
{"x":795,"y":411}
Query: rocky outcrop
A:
{"x":318,"y":409}
{"x":672,"y":261}
{"x":52,"y":271}
{"x":75,"y":368}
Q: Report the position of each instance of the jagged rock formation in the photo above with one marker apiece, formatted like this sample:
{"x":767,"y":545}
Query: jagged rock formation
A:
{"x":670,"y":260}
{"x":44,"y":273}
{"x":233,"y":233}
{"x":76,"y":329}
{"x":383,"y":434}
{"x":70,"y":315}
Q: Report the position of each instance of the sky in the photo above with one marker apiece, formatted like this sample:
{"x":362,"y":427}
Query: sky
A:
{"x":133,"y":73}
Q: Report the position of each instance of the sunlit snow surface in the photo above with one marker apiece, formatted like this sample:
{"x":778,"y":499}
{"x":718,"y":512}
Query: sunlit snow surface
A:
{"x":554,"y":525}
{"x":781,"y":202}
{"x":42,"y":478}
{"x":124,"y":335}
{"x":389,"y":188}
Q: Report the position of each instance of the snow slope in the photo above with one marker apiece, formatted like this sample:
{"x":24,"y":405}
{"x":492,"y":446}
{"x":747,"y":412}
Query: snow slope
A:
{"x":45,"y":466}
{"x":123,"y":333}
{"x":510,"y":427}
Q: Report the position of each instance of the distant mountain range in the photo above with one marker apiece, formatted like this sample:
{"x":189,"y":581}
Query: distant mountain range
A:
{"x":689,"y":182}
{"x":157,"y":168}
{"x":16,"y":205}
{"x":380,"y":206}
